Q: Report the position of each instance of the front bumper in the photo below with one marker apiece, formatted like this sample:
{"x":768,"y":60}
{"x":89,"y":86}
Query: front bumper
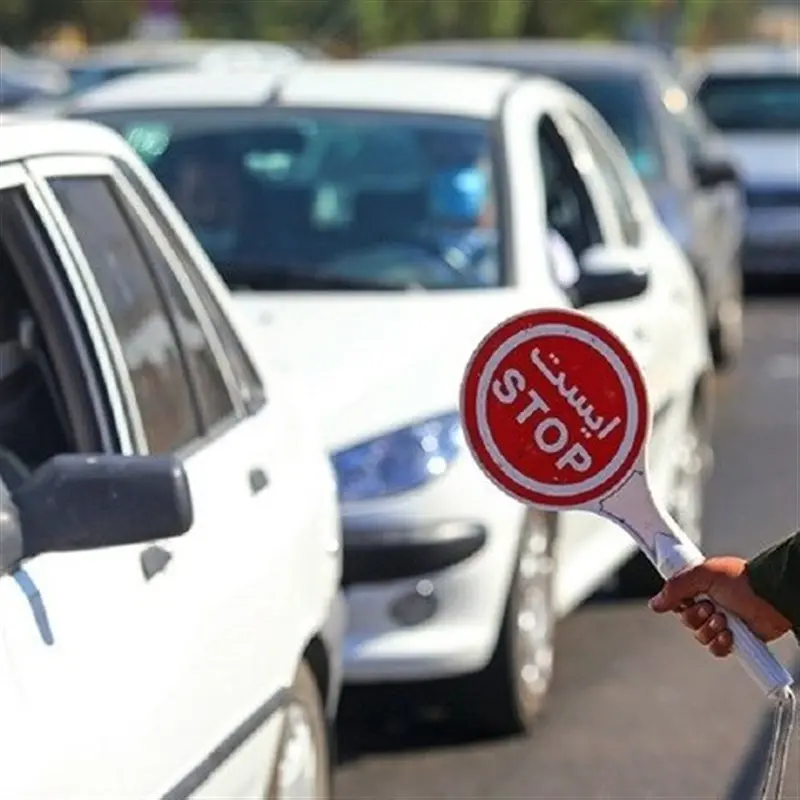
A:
{"x":333,"y":635}
{"x":425,"y":602}
{"x":378,"y":555}
{"x":426,"y":576}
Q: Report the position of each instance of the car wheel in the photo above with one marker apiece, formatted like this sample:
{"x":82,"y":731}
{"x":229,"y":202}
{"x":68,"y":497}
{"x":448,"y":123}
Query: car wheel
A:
{"x":509,"y":693}
{"x":688,"y":497}
{"x":639,"y":577}
{"x":302,"y":768}
{"x":727,"y":333}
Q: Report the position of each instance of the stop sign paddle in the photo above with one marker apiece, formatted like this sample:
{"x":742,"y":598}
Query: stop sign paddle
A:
{"x":555,"y":411}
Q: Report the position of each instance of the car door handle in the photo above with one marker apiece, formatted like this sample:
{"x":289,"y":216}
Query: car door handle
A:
{"x":154,"y":560}
{"x":257,"y":479}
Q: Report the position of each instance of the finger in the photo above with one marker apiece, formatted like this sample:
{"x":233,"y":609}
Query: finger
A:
{"x":708,"y":632}
{"x":682,"y":588}
{"x":697,"y":615}
{"x":722,"y":644}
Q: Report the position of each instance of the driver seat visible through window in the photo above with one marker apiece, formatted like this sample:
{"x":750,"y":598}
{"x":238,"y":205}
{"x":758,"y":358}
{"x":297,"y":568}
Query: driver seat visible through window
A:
{"x":34,"y":425}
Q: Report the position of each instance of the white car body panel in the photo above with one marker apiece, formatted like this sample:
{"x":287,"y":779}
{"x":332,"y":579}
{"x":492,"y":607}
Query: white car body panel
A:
{"x":145,"y":680}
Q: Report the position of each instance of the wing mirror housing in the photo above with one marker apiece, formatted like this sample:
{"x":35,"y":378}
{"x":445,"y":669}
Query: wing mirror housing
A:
{"x":83,"y":502}
{"x":711,"y":172}
{"x":610,"y":275}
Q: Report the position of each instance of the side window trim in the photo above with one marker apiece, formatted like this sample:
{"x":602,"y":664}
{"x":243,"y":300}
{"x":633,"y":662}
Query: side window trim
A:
{"x":131,"y":197}
{"x":585,"y":128}
{"x":13,"y":176}
{"x":600,"y":153}
{"x":93,"y":310}
{"x":593,"y":221}
{"x":195,"y":269}
{"x":607,"y":217}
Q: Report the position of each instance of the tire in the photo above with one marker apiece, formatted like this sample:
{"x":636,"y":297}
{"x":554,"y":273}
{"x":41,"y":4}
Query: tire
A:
{"x":505,"y":698}
{"x":638,"y":578}
{"x":304,"y":724}
{"x":726,"y":335}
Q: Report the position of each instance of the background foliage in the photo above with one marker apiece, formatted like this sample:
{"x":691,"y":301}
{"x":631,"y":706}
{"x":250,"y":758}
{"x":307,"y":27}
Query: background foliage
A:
{"x":344,"y":26}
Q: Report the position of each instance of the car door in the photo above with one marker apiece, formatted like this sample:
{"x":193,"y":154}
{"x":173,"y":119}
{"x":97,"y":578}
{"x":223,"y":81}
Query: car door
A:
{"x":70,"y":622}
{"x":652,"y":319}
{"x":668,"y":312}
{"x":218,"y":647}
{"x":588,"y":547}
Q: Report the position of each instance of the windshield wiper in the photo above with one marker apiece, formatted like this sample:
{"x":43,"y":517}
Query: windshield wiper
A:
{"x":270,"y":279}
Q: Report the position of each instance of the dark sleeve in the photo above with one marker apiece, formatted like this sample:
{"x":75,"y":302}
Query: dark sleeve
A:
{"x":775,"y":577}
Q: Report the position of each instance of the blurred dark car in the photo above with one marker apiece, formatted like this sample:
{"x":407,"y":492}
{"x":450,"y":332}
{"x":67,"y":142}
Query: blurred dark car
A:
{"x":24,"y":79}
{"x":14,"y":93}
{"x":751,"y":95}
{"x":108,"y":62}
{"x":681,"y":159}
{"x":119,"y":59}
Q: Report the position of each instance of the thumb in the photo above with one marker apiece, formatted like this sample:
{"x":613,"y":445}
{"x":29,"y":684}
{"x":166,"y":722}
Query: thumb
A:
{"x":684,"y":586}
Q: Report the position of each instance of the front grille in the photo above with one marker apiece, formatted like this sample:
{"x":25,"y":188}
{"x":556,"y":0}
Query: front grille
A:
{"x":776,"y":197}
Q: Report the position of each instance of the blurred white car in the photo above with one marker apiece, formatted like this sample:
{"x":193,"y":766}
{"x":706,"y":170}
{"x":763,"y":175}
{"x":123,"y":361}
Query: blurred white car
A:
{"x":752,"y":96}
{"x":133,"y":664}
{"x":376,"y":220}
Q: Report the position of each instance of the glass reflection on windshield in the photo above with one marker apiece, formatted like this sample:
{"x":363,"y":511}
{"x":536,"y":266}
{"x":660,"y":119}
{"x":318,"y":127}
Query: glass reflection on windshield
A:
{"x":300,"y":200}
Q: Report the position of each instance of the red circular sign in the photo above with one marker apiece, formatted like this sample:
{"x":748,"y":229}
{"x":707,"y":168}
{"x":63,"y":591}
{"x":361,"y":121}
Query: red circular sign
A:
{"x":554,"y":409}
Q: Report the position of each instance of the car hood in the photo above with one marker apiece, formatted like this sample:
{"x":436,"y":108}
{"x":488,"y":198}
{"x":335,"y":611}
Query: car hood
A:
{"x":766,"y":158}
{"x":373,"y":363}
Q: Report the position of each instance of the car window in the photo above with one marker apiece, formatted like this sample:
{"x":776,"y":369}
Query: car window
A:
{"x":247,"y":378}
{"x":622,"y":100}
{"x":289,"y":199}
{"x":140,"y":317}
{"x":570,"y":211}
{"x":213,"y":393}
{"x":741,"y":103}
{"x":615,"y":182}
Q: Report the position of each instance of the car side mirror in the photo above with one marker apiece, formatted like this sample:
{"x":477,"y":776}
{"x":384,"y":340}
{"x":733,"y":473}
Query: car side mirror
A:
{"x":711,"y":172}
{"x":82,"y":502}
{"x":610,"y":274}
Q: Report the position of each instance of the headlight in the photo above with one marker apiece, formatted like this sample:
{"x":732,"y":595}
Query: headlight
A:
{"x":399,"y":461}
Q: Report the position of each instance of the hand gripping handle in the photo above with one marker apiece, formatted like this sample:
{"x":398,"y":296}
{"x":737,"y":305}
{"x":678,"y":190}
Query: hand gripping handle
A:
{"x":674,"y":553}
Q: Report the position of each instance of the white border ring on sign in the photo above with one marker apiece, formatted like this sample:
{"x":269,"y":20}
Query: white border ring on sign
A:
{"x":569,"y":331}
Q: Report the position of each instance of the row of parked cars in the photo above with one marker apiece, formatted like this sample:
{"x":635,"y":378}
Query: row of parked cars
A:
{"x":267,"y":289}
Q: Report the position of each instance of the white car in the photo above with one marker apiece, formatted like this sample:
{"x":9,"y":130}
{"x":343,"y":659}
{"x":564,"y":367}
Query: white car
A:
{"x":751,"y":95}
{"x":375,"y":221}
{"x":206,"y":665}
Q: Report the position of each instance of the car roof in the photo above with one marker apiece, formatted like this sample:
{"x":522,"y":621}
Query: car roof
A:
{"x":528,"y":55}
{"x":352,"y":84}
{"x":21,"y":137}
{"x":750,"y":60}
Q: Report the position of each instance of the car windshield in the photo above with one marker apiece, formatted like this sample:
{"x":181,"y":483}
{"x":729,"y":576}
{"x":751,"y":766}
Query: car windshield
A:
{"x":622,"y":102}
{"x":744,"y":103}
{"x":311,"y":199}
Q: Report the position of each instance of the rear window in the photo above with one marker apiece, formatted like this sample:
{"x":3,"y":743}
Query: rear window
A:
{"x":752,"y":102}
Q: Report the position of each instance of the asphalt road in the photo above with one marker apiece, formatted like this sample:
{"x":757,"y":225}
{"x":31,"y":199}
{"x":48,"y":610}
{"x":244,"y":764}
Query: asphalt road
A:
{"x":638,"y":711}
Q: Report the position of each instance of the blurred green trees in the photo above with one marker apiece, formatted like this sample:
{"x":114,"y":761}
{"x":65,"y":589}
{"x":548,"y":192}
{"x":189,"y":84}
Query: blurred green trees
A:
{"x":347,"y":25}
